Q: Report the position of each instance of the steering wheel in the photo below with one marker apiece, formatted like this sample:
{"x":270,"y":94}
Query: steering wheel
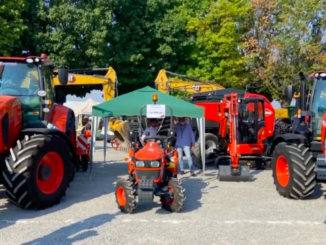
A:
{"x":155,"y":138}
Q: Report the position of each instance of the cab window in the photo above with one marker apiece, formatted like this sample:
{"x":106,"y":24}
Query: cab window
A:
{"x":48,"y":80}
{"x":260,"y":111}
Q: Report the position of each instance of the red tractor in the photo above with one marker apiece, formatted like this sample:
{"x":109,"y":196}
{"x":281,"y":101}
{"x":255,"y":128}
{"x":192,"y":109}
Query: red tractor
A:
{"x":152,"y":172}
{"x":38,"y":136}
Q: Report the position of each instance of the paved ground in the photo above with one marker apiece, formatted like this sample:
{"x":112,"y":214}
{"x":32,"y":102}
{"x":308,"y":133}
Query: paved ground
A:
{"x":215,"y":213}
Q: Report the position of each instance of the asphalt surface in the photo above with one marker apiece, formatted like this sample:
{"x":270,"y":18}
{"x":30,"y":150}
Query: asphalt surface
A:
{"x":215,"y":213}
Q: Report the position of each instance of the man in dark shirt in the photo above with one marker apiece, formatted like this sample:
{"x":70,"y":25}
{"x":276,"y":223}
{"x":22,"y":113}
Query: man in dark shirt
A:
{"x":184,"y":143}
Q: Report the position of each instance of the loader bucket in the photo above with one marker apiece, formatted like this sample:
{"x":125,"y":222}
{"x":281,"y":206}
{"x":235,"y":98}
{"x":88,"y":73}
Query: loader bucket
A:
{"x":225,"y":173}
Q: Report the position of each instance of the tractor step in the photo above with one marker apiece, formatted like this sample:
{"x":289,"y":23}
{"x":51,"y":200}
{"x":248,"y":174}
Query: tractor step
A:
{"x":225,"y":173}
{"x":321,"y":167}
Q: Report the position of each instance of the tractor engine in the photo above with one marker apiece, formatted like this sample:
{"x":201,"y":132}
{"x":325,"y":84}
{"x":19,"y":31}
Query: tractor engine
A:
{"x":10,"y":122}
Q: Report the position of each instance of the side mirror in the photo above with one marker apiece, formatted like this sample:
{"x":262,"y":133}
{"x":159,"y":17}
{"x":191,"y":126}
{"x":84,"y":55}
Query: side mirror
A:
{"x":63,"y":76}
{"x":171,"y":132}
{"x":288,"y":92}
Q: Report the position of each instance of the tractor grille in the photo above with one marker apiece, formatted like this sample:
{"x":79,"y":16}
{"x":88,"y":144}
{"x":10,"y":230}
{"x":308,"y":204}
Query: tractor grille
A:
{"x":148,"y":174}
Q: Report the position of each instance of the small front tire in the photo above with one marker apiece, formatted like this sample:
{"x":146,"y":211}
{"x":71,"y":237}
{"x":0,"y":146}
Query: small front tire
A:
{"x":125,"y":196}
{"x":175,"y":202}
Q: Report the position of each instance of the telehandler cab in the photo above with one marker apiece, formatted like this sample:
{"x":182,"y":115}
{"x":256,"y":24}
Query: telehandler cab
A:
{"x":152,"y":172}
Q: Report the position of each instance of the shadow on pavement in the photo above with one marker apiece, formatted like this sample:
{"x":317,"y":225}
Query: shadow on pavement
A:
{"x":194,"y":189}
{"x":75,"y":232}
{"x":81,"y":189}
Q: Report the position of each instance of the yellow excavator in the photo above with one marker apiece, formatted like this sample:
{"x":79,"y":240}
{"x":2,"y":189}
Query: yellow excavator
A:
{"x":182,"y":83}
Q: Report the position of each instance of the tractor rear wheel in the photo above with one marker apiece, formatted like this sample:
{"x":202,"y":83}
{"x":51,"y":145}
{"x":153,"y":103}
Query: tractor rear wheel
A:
{"x":38,"y":171}
{"x":174,"y":203}
{"x":293,"y":171}
{"x":125,"y":195}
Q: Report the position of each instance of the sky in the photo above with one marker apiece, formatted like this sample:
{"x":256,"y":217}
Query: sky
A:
{"x":73,"y":101}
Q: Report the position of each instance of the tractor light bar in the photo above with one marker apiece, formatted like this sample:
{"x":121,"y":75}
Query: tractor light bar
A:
{"x":29,"y":61}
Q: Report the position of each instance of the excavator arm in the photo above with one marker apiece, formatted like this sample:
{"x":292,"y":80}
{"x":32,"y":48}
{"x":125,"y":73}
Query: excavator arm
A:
{"x":183,"y":83}
{"x":107,"y":83}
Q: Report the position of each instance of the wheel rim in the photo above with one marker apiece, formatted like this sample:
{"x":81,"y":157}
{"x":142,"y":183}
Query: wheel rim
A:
{"x":115,"y":144}
{"x":209,"y":146}
{"x":121,"y":196}
{"x":50,"y":173}
{"x":170,"y":200}
{"x":282,"y":171}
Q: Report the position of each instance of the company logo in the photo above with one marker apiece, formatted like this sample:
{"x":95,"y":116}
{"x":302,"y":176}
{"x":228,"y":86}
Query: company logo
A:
{"x":268,"y":112}
{"x":71,"y":79}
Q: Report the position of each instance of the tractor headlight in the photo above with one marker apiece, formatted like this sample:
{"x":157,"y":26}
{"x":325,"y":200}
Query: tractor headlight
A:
{"x":140,"y":164}
{"x":155,"y":164}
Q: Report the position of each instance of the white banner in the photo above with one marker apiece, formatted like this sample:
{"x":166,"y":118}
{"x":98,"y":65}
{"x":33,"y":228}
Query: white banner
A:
{"x":155,"y":111}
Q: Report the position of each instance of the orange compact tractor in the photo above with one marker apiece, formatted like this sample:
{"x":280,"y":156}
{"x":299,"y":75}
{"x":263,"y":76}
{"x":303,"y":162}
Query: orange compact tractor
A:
{"x":152,"y":172}
{"x":38,"y":136}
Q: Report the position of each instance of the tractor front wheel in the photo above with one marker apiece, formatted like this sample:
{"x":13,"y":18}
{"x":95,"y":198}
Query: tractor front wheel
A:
{"x":175,"y":200}
{"x":37,"y":173}
{"x":125,"y":195}
{"x":293,"y":171}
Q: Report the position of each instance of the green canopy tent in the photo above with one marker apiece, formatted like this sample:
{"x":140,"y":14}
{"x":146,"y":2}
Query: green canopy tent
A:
{"x":131,"y":103}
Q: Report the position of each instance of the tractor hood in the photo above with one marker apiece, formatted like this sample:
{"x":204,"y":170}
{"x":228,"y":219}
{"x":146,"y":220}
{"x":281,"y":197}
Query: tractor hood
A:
{"x":151,"y":151}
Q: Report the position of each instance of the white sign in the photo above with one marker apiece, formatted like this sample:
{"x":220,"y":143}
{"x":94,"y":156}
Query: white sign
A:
{"x":268,"y":112}
{"x":155,"y":111}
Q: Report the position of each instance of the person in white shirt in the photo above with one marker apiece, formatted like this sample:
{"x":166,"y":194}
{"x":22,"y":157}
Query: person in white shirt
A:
{"x":150,"y":131}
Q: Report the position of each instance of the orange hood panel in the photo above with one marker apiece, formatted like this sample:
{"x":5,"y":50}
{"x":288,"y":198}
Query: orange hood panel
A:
{"x":151,"y":151}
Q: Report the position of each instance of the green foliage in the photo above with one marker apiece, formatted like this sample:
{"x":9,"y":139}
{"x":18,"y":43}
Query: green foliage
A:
{"x":263,"y":44}
{"x":11,"y":25}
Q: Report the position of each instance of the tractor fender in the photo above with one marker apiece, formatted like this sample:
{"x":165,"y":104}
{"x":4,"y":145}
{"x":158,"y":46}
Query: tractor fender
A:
{"x":62,"y":135}
{"x":288,"y":138}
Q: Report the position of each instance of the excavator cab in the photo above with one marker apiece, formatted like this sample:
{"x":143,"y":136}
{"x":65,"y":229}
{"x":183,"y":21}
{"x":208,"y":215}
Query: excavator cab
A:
{"x":251,"y":120}
{"x":243,"y":129}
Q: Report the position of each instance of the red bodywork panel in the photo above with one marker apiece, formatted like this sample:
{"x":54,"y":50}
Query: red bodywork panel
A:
{"x":10,"y":107}
{"x":212,"y":108}
{"x":323,"y":134}
{"x":151,"y":151}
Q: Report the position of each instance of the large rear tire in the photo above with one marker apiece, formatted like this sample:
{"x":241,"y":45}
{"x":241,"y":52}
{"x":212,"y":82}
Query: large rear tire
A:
{"x":293,"y":171}
{"x":37,"y":173}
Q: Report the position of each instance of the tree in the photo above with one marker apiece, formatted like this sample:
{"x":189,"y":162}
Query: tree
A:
{"x":11,"y":26}
{"x":219,"y":52}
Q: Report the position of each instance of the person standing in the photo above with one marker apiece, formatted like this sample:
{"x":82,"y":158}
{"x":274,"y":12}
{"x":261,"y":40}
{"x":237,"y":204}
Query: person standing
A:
{"x":185,"y":143}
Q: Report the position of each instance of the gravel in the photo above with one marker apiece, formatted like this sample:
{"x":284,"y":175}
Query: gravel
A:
{"x":214,"y":213}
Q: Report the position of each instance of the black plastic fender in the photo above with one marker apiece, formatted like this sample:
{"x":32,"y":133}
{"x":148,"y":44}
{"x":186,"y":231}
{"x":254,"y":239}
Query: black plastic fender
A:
{"x":289,"y":138}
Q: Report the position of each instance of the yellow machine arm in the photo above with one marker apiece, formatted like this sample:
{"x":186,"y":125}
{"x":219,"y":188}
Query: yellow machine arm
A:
{"x":183,"y":83}
{"x":108,"y":83}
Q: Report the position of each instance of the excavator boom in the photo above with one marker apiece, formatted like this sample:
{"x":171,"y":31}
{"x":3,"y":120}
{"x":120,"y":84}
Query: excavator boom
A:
{"x":183,"y":83}
{"x":107,"y":83}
